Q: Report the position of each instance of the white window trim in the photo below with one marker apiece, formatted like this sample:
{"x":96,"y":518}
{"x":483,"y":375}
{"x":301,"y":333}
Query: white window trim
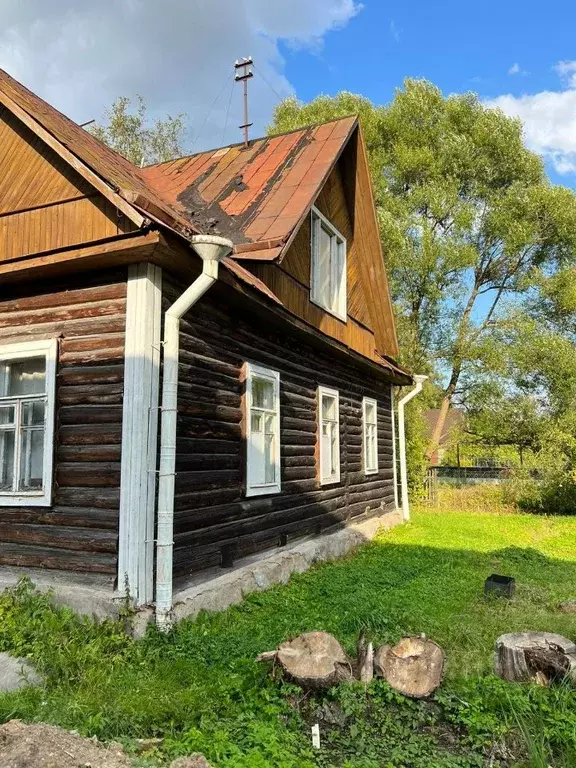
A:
{"x":342,"y":298}
{"x":253,"y":489}
{"x":331,"y":393}
{"x":48,"y":349}
{"x":365,"y":402}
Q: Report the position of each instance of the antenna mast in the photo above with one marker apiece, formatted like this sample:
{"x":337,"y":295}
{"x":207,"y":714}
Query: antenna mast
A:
{"x":244,"y":76}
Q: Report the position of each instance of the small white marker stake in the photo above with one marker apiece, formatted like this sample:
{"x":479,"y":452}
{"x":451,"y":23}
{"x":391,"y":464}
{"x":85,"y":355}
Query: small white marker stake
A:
{"x":316,"y":736}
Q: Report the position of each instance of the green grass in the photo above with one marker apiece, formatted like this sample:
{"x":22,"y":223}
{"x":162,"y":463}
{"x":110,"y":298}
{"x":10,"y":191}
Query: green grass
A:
{"x":200,"y":689}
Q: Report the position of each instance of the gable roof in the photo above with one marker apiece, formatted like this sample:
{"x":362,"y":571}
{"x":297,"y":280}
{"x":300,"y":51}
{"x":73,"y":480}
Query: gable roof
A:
{"x":256,"y":195}
{"x":121,"y":176}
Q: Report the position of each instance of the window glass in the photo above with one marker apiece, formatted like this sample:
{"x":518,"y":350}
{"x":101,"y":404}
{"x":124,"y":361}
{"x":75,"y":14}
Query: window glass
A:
{"x":23,"y":377}
{"x":25,"y":461}
{"x":262,"y":393}
{"x":370,"y":423}
{"x":7,"y":444}
{"x":328,"y":288}
{"x":329,"y":437}
{"x":263,"y":450}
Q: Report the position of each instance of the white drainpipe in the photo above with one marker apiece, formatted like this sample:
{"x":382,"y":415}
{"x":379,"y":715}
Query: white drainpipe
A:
{"x":419,"y":381}
{"x":211,"y":250}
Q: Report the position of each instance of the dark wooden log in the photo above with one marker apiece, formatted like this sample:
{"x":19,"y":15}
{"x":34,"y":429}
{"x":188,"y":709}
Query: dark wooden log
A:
{"x":88,"y":474}
{"x":60,"y":559}
{"x":90,"y":414}
{"x":60,"y":537}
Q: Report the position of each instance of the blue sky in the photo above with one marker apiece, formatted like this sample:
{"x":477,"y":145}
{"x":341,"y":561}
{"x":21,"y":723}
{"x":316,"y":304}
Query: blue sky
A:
{"x":492,"y":48}
{"x":179,"y":55}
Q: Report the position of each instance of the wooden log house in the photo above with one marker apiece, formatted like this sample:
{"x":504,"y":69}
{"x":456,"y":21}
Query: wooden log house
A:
{"x":284,"y":413}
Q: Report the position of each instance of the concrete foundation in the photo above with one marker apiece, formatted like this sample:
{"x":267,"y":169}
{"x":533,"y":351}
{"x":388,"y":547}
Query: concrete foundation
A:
{"x":216,"y":590}
{"x":212,"y":590}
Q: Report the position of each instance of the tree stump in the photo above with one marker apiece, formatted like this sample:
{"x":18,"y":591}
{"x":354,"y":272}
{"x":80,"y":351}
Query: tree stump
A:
{"x":414,"y":667}
{"x":539,"y":657}
{"x":314,"y":660}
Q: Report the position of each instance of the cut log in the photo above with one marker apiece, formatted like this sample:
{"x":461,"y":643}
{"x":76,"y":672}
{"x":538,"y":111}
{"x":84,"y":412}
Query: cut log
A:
{"x":414,"y":667}
{"x":314,"y":660}
{"x":539,"y":657}
{"x":364,"y":660}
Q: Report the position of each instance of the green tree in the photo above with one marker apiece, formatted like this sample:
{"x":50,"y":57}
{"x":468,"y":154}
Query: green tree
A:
{"x":466,"y":214}
{"x":129,"y":131}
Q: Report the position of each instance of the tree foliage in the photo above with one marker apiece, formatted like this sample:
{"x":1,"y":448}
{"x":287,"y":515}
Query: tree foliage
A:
{"x":130,"y":131}
{"x":469,"y":223}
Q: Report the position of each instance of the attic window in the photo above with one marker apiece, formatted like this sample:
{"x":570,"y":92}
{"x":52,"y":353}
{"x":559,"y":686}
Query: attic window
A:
{"x":328,"y":279}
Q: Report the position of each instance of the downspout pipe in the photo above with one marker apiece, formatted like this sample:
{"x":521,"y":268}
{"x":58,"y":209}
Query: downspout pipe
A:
{"x":418,"y":381}
{"x":211,"y":250}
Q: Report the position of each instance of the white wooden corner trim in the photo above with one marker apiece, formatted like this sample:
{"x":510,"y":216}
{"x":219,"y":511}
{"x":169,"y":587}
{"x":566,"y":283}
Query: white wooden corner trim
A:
{"x":139,"y":432}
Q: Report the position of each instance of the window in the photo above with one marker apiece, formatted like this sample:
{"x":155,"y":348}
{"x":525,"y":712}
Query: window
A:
{"x":262,"y":430}
{"x":328,"y":408}
{"x":328,"y":278}
{"x":27,"y":383}
{"x":370,"y":432}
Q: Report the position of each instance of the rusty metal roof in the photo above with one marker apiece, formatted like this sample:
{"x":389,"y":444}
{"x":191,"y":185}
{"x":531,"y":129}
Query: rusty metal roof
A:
{"x":255,"y":195}
{"x":120,"y":174}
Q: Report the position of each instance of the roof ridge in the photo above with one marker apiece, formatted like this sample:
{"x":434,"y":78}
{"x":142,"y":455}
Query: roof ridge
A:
{"x":302,"y":128}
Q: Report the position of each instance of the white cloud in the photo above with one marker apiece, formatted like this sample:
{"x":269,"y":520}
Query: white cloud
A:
{"x":549,"y":119}
{"x":567,"y":71}
{"x":516,"y":69}
{"x":177,"y":53}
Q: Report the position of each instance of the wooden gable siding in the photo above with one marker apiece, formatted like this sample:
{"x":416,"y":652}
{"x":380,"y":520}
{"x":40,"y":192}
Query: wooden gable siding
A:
{"x":290,"y":280}
{"x":45,"y":204}
{"x":87,"y":314}
{"x":332,"y":203}
{"x":212,"y":511}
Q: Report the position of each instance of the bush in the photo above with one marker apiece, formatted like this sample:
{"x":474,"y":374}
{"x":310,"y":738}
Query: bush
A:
{"x":553,"y":493}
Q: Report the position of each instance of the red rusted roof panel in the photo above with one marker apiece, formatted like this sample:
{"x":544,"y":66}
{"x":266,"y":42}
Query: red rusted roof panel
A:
{"x":255,"y":193}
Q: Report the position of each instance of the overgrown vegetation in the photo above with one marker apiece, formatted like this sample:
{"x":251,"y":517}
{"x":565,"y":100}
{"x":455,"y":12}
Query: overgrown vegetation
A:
{"x":199,"y":688}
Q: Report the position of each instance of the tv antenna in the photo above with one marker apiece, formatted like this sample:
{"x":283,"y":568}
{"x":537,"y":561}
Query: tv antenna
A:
{"x":243,"y":74}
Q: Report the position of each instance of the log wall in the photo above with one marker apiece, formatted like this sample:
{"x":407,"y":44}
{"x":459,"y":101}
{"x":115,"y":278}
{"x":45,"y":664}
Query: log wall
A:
{"x":214,"y":519}
{"x":79,"y":531}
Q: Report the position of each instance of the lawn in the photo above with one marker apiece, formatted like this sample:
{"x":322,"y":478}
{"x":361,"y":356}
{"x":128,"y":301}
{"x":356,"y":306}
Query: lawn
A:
{"x":199,"y":689}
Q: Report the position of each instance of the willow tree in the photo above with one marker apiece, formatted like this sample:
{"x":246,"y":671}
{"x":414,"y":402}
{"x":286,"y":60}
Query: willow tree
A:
{"x":467,"y":215}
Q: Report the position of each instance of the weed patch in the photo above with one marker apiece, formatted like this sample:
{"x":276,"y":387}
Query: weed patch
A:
{"x":199,"y":689}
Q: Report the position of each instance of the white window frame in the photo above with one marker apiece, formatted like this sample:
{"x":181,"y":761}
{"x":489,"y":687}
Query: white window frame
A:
{"x":366,"y":401}
{"x":48,"y":349}
{"x":253,"y":488}
{"x":318,"y":220}
{"x":326,"y":391}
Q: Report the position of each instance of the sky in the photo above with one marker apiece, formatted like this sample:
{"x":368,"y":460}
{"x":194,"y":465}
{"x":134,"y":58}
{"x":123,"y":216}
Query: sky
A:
{"x":179,"y":55}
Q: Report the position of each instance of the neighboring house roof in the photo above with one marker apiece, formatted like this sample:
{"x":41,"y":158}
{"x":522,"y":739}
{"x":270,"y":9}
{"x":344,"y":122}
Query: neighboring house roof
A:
{"x":257,"y":196}
{"x":455,"y":419}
